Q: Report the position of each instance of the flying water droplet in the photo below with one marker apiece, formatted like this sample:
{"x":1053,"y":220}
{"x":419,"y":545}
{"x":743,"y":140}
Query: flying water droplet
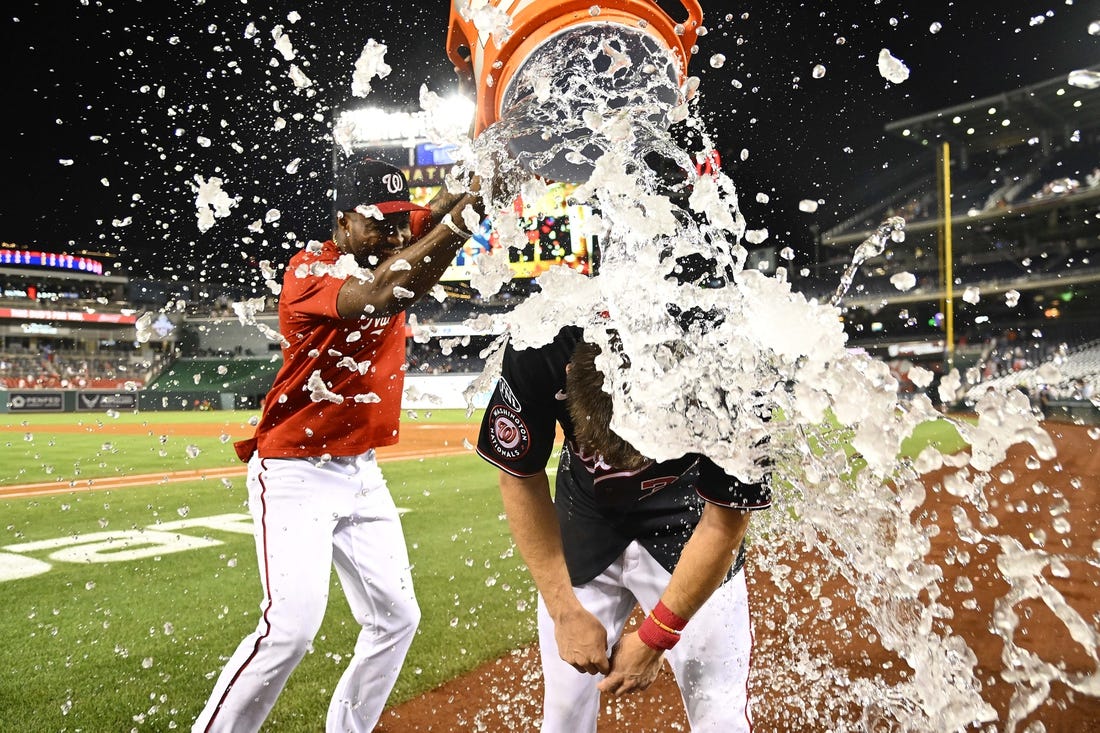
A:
{"x":903,"y":281}
{"x":1084,"y":78}
{"x":892,"y":69}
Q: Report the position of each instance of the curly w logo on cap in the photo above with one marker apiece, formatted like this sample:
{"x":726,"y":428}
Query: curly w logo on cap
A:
{"x":370,"y":182}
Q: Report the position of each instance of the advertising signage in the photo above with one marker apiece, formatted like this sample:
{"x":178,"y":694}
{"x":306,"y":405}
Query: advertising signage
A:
{"x":39,"y":314}
{"x":103,"y":401}
{"x":35,"y":401}
{"x":32,"y":258}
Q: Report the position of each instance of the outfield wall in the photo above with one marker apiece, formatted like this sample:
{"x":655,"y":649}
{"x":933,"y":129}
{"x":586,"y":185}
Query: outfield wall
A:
{"x":422,"y":392}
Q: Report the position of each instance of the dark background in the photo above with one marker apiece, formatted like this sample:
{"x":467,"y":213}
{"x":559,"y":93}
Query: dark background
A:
{"x":82,"y":81}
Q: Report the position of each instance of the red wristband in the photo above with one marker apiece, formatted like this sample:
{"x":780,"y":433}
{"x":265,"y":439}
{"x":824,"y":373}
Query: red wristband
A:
{"x":662,"y":614}
{"x":661,"y":628}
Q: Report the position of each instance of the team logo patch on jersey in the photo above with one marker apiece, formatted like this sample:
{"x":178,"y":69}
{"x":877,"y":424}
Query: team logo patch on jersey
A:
{"x":508,"y":395}
{"x":509,"y":435}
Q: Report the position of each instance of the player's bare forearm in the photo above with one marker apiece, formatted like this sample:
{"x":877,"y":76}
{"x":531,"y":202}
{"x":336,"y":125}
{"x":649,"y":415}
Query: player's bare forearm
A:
{"x":444,"y":202}
{"x":581,"y":638}
{"x":703,"y":565}
{"x":396,"y":286}
{"x":535,"y":529}
{"x":706,"y":559}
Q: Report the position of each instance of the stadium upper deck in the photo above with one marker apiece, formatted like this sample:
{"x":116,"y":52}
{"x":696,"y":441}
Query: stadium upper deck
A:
{"x":66,"y":322}
{"x":1021,"y":246}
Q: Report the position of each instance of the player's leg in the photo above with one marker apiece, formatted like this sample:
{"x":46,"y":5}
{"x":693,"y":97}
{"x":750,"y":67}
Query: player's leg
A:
{"x":571,"y":702}
{"x":711,"y":661}
{"x":373,"y":565}
{"x":293,"y":531}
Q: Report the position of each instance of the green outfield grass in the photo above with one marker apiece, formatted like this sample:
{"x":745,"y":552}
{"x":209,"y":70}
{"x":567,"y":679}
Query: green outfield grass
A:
{"x":940,"y":434}
{"x":228,"y":418}
{"x":39,"y":456}
{"x":136,"y":644}
{"x":134,"y":443}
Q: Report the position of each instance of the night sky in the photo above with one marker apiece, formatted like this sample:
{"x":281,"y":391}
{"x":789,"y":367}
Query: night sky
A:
{"x":113,"y":108}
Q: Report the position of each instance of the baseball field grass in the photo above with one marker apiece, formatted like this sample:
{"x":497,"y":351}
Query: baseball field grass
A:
{"x":122,"y":602}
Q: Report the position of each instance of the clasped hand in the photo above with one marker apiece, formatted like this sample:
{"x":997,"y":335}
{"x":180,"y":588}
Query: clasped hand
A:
{"x":634,"y":666}
{"x":582,"y":642}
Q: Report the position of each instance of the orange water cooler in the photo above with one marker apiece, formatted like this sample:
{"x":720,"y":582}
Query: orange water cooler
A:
{"x":539,"y":29}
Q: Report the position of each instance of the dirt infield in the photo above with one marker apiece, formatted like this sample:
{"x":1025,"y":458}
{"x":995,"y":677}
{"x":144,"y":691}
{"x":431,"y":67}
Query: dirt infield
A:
{"x":504,"y":694}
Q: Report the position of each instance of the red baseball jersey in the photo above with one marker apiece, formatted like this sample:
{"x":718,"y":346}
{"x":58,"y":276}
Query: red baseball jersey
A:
{"x":339,"y":389}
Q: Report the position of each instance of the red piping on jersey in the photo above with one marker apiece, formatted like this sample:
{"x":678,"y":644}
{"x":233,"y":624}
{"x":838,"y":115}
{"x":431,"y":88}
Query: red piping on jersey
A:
{"x":267,"y":592}
{"x":752,"y":645}
{"x":732,"y":505}
{"x":508,"y":471}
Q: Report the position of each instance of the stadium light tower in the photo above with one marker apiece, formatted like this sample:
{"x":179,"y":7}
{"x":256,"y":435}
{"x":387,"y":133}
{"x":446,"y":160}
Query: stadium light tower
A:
{"x":360,"y":128}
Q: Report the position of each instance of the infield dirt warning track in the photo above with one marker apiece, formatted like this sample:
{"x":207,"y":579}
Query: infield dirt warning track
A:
{"x":504,"y":694}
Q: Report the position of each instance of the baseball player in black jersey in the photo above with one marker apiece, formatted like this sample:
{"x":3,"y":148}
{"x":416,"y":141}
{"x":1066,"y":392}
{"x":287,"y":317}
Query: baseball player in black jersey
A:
{"x":620,"y":530}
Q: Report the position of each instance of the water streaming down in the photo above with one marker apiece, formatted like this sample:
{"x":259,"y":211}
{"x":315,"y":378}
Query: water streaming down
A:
{"x":703,"y":355}
{"x":891,"y":230}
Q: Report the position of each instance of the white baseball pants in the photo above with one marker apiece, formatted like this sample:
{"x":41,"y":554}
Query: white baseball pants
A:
{"x":710,"y":662}
{"x":310,"y":515}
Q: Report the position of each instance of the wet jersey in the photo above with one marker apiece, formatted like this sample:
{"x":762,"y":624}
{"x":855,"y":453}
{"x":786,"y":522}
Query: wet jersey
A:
{"x":601,"y":509}
{"x":339,"y":389}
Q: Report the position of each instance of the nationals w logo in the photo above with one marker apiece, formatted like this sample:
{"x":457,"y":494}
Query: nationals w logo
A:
{"x":393,"y":182}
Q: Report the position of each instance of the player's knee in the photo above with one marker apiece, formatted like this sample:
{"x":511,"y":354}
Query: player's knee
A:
{"x":566,"y":714}
{"x":398,"y":620}
{"x":291,"y":642}
{"x":405,"y":618}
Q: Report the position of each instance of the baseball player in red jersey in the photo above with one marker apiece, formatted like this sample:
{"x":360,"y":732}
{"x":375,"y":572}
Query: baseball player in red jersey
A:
{"x":315,"y":492}
{"x":620,"y":530}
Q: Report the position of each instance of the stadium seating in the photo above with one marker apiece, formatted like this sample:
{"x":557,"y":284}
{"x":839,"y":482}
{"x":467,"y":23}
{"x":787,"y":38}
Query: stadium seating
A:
{"x":1073,"y":375}
{"x":74,"y":370}
{"x":241,"y":376}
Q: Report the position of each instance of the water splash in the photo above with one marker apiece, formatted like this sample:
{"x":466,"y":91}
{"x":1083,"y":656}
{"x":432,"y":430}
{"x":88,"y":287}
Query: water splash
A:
{"x":893,"y":229}
{"x":701,"y":355}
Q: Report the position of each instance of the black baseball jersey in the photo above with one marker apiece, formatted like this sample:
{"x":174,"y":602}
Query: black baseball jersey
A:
{"x":601,"y":509}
